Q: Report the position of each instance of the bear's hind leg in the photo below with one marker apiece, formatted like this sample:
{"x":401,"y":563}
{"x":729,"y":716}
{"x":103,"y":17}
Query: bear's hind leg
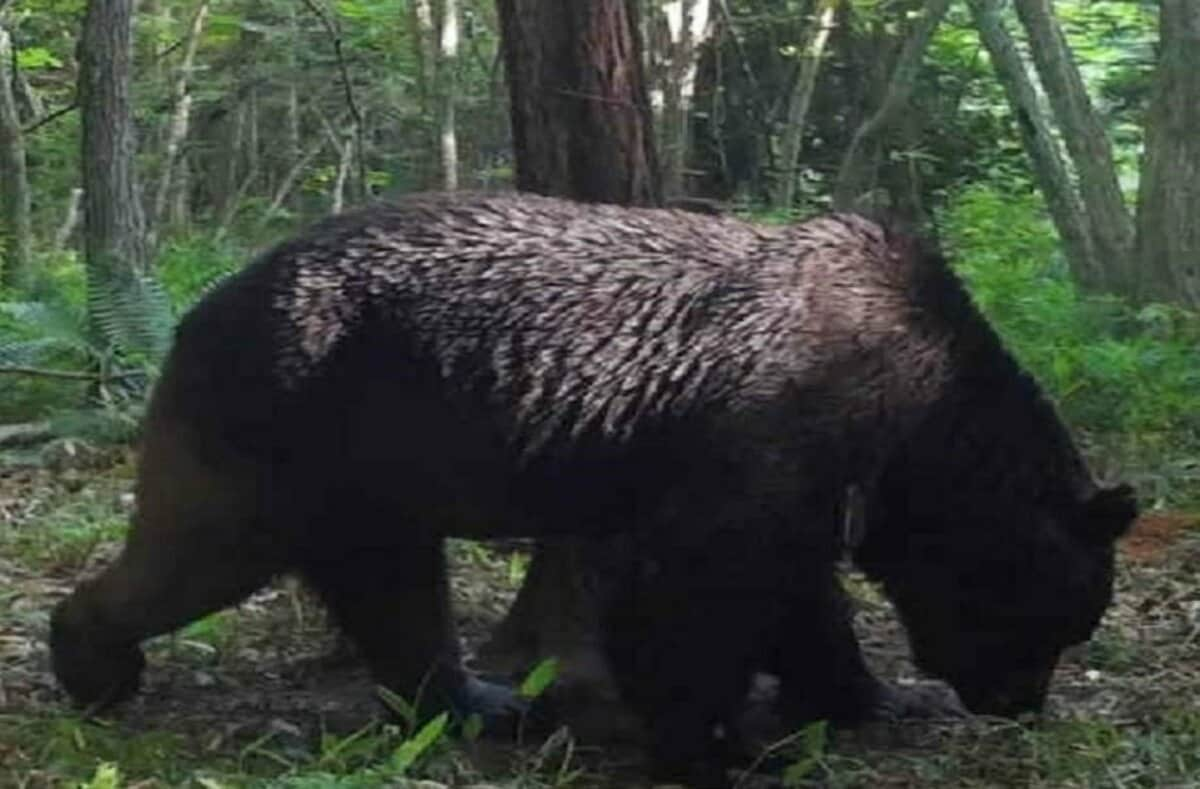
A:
{"x":683,"y":636}
{"x":194,"y":548}
{"x":394,"y":603}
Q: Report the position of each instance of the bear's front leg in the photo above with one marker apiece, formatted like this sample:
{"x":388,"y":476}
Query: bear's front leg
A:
{"x":394,"y":603}
{"x":822,"y":672}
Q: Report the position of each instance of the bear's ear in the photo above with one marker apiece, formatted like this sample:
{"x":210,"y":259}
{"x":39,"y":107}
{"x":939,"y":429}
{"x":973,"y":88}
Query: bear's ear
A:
{"x":1107,"y":513}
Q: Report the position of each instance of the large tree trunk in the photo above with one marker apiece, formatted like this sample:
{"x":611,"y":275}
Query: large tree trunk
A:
{"x":112,"y":211}
{"x":1109,"y":221}
{"x":581,"y":129}
{"x":1169,"y":199}
{"x":1037,"y":136}
{"x":580,"y":115}
{"x":812,"y":50}
{"x":15,"y":230}
{"x":857,"y":171}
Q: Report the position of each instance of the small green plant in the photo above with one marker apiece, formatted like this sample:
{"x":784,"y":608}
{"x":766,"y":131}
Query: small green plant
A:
{"x":803,"y":753}
{"x":107,"y":776}
{"x":413,"y":748}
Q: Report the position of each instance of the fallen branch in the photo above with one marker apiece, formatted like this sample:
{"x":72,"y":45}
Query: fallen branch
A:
{"x":71,"y":375}
{"x":24,"y":433}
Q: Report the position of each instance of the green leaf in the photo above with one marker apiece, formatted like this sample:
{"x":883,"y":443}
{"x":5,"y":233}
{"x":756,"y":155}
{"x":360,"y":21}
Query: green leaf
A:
{"x":539,"y":679}
{"x":472,"y":727}
{"x":412,"y":749}
{"x":399,"y":705}
{"x":107,"y":776}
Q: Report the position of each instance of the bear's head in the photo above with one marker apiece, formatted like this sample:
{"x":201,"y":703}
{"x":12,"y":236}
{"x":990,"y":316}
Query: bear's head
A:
{"x":988,"y":607}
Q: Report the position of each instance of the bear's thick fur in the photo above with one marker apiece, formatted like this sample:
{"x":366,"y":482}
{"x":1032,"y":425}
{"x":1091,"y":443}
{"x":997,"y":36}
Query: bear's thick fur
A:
{"x":506,"y":365}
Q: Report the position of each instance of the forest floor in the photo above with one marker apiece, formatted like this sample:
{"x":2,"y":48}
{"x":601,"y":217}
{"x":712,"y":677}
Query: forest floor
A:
{"x":252,"y":697}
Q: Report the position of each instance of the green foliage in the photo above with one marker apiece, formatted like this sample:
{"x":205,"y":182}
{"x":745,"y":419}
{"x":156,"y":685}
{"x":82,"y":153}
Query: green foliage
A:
{"x":1115,"y":371}
{"x":96,"y":755}
{"x":190,"y":266}
{"x":32,"y":58}
{"x":113,"y":343}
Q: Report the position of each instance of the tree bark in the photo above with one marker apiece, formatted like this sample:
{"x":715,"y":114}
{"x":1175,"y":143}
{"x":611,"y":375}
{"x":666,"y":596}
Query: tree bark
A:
{"x":293,"y":87}
{"x":181,"y":115}
{"x":1109,"y":221}
{"x":580,"y":116}
{"x":581,"y":129}
{"x":1037,"y":137}
{"x":857,"y":170}
{"x":16,"y":244}
{"x":424,"y":38}
{"x":29,"y":101}
{"x":112,"y":211}
{"x":686,"y":27}
{"x":812,"y":50}
{"x":71,"y":219}
{"x":447,"y":71}
{"x":345,"y":150}
{"x":1169,"y":196}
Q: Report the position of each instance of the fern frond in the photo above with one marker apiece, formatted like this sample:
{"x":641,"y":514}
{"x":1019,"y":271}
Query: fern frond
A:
{"x":101,"y":425}
{"x":135,"y":318}
{"x":27,"y":352}
{"x":52,"y":321}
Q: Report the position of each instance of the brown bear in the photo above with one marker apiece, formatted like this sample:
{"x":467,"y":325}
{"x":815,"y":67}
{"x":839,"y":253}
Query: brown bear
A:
{"x":485,"y":365}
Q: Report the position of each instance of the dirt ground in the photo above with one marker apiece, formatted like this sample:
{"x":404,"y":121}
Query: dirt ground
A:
{"x":268,"y":682}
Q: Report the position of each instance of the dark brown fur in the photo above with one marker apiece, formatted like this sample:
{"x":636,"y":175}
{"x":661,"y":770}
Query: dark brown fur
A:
{"x":498,"y":365}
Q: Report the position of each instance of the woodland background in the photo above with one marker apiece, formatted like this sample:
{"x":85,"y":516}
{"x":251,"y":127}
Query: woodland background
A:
{"x":1051,"y":148}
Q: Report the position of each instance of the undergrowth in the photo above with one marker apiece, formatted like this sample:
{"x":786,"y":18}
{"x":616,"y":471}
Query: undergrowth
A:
{"x":1127,"y":379}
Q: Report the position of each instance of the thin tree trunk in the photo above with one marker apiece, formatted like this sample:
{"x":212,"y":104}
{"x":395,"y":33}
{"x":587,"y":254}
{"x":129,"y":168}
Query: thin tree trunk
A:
{"x":687,"y":25}
{"x":289,"y":182}
{"x":811,"y":53}
{"x":234,"y":203}
{"x":345,"y":162}
{"x":232,"y":188}
{"x":580,"y":116}
{"x":1037,"y":136}
{"x":71,"y":219}
{"x":293,"y":87}
{"x":253,"y":139}
{"x":112,"y":210}
{"x":28,"y":100}
{"x":1169,"y":198}
{"x":333,"y":28}
{"x":858,"y":165}
{"x":16,"y":244}
{"x":177,"y":131}
{"x":424,"y":37}
{"x":180,"y":208}
{"x":447,"y":70}
{"x":1109,"y":220}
